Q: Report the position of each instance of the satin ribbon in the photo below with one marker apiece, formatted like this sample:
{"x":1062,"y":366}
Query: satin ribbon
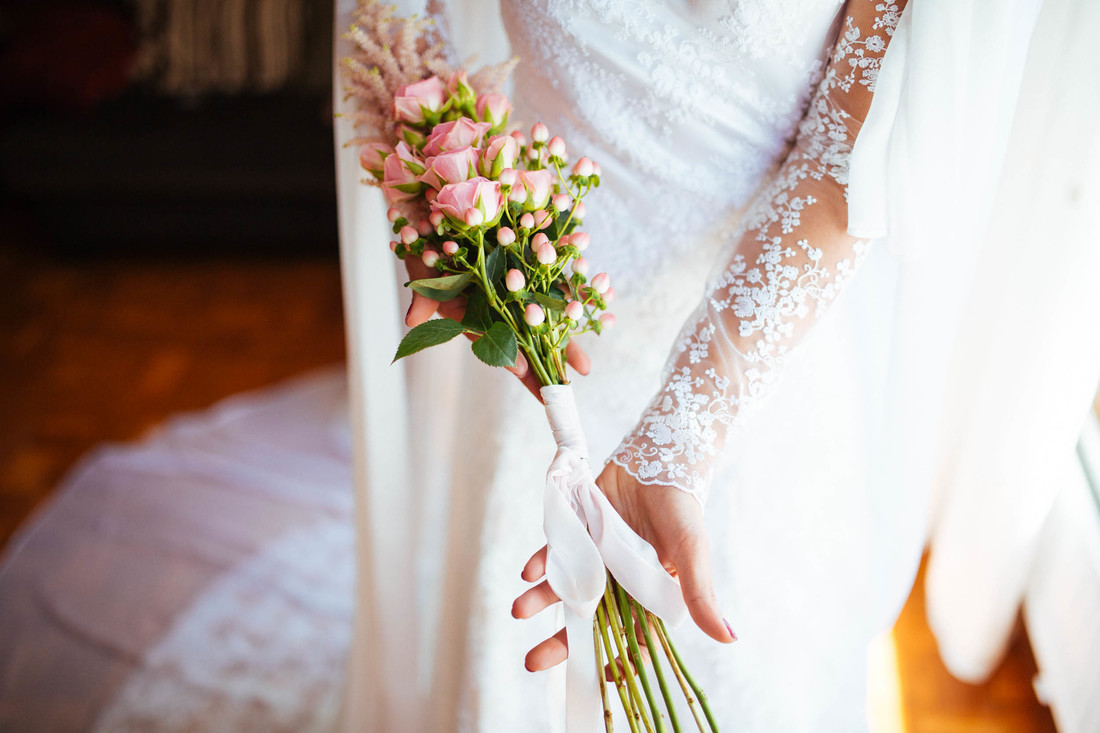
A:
{"x":585,"y":535}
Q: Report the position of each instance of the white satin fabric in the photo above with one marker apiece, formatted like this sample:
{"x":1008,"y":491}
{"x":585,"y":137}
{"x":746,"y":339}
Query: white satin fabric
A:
{"x":900,"y":392}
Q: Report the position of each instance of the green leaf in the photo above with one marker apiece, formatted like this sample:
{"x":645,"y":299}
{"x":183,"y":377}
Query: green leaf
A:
{"x":549,"y":301}
{"x":497,"y":347}
{"x":478,"y":316}
{"x":442,"y":288}
{"x":430,"y":333}
{"x":494,"y":267}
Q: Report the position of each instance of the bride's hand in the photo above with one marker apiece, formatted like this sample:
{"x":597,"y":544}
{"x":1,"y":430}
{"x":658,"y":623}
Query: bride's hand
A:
{"x":670,"y":520}
{"x":423,"y":308}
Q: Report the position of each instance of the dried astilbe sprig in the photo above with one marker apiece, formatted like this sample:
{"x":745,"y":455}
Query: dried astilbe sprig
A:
{"x":392,"y":52}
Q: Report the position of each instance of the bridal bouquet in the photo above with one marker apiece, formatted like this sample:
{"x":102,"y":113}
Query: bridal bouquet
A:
{"x":496,"y":215}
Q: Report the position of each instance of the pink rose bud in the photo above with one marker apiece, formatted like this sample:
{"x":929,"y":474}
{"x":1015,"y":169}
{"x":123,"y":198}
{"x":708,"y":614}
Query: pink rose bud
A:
{"x":608,"y":320}
{"x":609,"y":296}
{"x":538,"y":240}
{"x":493,"y":108}
{"x":527,"y":221}
{"x":409,"y":235}
{"x":450,"y":247}
{"x":540,"y":133}
{"x":579,"y":240}
{"x":424,"y":227}
{"x":579,"y":210}
{"x":580,"y":266}
{"x":534,"y":314}
{"x":562,"y":201}
{"x":436,"y":218}
{"x":430,"y":257}
{"x":473,"y":217}
{"x":574,"y":310}
{"x":505,"y":236}
{"x":414,"y":101}
{"x":520,"y":137}
{"x":556,"y":146}
{"x":508,"y":177}
{"x":583,"y":167}
{"x":372,"y":157}
{"x":601,"y":282}
{"x":546,"y":254}
{"x":393,"y":214}
{"x":514,"y":280}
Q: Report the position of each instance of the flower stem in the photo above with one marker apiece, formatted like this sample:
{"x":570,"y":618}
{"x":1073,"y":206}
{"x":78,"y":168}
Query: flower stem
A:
{"x":607,"y":719}
{"x":699,"y":694}
{"x":644,"y":621}
{"x":692,"y":704}
{"x":620,"y":683}
{"x":636,"y":655}
{"x":616,"y":624}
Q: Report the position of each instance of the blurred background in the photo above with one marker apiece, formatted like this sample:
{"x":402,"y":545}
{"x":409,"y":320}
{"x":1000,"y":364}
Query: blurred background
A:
{"x":168,"y":239}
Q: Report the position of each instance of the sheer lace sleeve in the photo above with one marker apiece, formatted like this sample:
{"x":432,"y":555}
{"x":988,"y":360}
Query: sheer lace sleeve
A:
{"x":792,"y":256}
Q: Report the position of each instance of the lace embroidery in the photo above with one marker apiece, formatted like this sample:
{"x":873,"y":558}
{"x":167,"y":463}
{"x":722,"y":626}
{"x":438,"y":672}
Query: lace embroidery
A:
{"x":793,"y":259}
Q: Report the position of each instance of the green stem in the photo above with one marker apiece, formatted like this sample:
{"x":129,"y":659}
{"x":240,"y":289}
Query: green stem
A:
{"x":616,"y":624}
{"x":702,"y":696}
{"x":636,"y":655}
{"x":607,"y":719}
{"x":655,"y":658}
{"x":620,"y":683}
{"x":692,"y":705}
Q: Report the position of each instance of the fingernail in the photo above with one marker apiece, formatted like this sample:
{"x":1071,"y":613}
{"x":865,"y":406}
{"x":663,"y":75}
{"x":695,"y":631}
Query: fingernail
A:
{"x":410,"y":310}
{"x":730,"y":629}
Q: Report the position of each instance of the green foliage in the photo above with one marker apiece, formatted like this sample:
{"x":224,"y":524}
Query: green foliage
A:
{"x":478,"y":315}
{"x":430,"y":333}
{"x":442,"y":288}
{"x":497,"y":347}
{"x":549,"y":301}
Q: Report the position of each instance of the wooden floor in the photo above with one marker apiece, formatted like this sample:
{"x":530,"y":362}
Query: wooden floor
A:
{"x":102,"y":351}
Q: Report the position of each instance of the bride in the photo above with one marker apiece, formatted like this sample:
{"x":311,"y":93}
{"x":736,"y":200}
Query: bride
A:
{"x":738,"y":139}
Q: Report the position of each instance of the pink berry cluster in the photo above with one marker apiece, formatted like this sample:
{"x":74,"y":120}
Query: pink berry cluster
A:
{"x":461,"y":187}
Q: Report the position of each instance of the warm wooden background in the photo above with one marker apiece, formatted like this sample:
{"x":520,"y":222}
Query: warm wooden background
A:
{"x":103,"y":350}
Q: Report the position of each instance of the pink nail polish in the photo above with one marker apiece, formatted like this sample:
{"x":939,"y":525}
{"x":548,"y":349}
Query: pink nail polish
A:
{"x":730,"y":629}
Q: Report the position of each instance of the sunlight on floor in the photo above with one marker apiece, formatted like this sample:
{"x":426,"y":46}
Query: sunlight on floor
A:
{"x":884,"y":701}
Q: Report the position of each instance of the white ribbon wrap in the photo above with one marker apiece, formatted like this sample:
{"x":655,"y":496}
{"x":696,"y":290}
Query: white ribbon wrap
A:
{"x":585,"y":534}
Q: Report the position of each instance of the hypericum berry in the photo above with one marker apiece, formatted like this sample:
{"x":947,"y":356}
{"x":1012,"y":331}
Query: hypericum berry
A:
{"x":543,"y":219}
{"x":609,"y":296}
{"x":518,"y":194}
{"x":408,"y":235}
{"x":574,"y":310}
{"x":532,"y":154}
{"x":580,"y":266}
{"x":546,"y":254}
{"x":514,"y":280}
{"x":540,"y":133}
{"x":608,"y":320}
{"x":505,"y":236}
{"x":473,"y":217}
{"x":436,"y":218}
{"x":538,"y":240}
{"x":584,"y":167}
{"x":508,"y":177}
{"x":393,"y":246}
{"x":520,"y":138}
{"x":527,"y":221}
{"x":601,"y":282}
{"x":450,"y":247}
{"x":393,"y":214}
{"x":430,"y":257}
{"x":561,"y":201}
{"x":579,"y":210}
{"x":579,"y":240}
{"x":425,"y":227}
{"x":534,"y":314}
{"x":556,"y":146}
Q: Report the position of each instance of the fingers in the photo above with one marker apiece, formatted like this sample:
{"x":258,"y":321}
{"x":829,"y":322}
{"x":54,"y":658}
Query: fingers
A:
{"x":549,"y":653}
{"x":421,"y":310}
{"x":692,"y":561}
{"x":536,"y":566}
{"x":534,"y":600}
{"x":576,"y":358}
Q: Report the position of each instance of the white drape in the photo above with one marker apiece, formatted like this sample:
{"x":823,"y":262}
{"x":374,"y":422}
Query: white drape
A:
{"x":1010,"y":269}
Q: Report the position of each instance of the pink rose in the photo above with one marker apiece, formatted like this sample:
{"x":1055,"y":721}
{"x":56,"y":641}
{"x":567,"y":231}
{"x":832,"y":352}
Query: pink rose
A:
{"x":372,"y":157}
{"x":457,"y":200}
{"x":494,"y":109}
{"x":538,"y":185}
{"x":401,"y":175}
{"x":499,"y":155}
{"x":458,"y":86}
{"x":457,"y":165}
{"x":416,"y":102}
{"x":461,"y":133}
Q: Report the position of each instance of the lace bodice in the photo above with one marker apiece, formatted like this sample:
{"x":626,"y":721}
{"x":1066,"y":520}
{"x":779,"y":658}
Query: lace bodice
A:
{"x":792,"y":254}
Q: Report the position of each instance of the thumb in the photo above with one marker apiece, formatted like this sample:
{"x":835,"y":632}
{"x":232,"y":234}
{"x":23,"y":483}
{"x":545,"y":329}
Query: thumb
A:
{"x":692,"y":561}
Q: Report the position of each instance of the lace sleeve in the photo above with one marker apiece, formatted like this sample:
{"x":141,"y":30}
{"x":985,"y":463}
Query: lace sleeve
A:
{"x":792,"y":256}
